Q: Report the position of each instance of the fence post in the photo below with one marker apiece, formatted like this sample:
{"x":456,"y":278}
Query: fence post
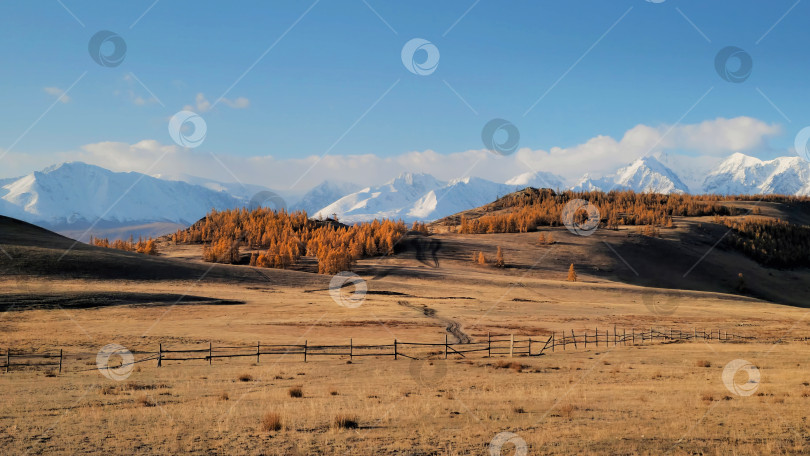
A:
{"x":574,"y":337}
{"x":597,"y":336}
{"x":60,"y":360}
{"x":395,"y":349}
{"x":553,"y":342}
{"x":651,"y":334}
{"x":305,"y":351}
{"x":530,"y":346}
{"x":634,"y":335}
{"x":160,"y":354}
{"x":258,"y":350}
{"x":351,"y":350}
{"x":445,"y":346}
{"x":489,"y":345}
{"x":210,"y":350}
{"x":511,"y":344}
{"x":563,"y":334}
{"x":586,"y":338}
{"x":624,"y":337}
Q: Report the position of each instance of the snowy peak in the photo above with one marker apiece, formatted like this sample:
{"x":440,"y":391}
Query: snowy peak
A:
{"x":323,"y":195}
{"x":539,"y":179}
{"x":742,"y":174}
{"x":415,"y":196}
{"x":646,"y":174}
{"x":77,"y":192}
{"x":418,"y":182}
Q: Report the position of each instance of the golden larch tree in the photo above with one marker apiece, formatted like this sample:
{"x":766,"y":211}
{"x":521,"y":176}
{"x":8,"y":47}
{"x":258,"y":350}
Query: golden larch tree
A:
{"x":499,"y":258}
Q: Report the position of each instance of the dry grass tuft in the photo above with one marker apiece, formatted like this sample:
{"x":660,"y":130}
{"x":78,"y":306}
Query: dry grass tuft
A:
{"x":135,"y":386}
{"x":703,"y":363}
{"x":515,"y":366}
{"x":245,"y":378}
{"x":566,"y":410}
{"x":707,"y":397}
{"x":271,"y":421}
{"x":296,"y":391}
{"x":50,"y":373}
{"x":224,"y":396}
{"x":333,"y":392}
{"x":344,"y":421}
{"x":145,"y":401}
{"x":518,"y":409}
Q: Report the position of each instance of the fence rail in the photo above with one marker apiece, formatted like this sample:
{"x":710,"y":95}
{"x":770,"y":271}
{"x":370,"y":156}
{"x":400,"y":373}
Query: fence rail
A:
{"x":495,"y":345}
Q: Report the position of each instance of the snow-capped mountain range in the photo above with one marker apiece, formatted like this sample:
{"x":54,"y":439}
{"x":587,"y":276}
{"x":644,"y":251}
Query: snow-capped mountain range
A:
{"x":646,"y":174}
{"x":417,"y":197}
{"x":74,"y":195}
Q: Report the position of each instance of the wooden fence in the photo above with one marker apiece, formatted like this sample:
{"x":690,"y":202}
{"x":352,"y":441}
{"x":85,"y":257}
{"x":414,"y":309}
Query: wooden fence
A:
{"x":28,"y":360}
{"x":495,"y":345}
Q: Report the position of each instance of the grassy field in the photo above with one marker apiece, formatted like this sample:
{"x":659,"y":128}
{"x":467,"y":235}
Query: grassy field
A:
{"x":651,"y":399}
{"x":693,"y":397}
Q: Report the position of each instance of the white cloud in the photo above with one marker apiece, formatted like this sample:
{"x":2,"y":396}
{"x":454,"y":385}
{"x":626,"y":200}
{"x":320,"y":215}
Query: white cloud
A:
{"x":201,"y":104}
{"x":57,"y":92}
{"x":597,"y":156}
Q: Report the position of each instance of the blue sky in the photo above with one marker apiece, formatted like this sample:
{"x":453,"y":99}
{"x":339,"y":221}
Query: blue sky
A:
{"x":605,"y":66}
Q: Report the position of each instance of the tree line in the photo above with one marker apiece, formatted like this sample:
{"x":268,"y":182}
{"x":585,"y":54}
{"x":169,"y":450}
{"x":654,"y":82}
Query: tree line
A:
{"x":280,"y":239}
{"x":772,"y":242}
{"x":147,"y":247}
{"x":531,"y":208}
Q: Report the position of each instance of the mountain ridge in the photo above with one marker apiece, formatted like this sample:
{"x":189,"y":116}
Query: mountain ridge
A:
{"x":73,"y":196}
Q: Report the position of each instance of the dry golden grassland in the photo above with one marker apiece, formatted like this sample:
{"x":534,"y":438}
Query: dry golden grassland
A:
{"x":651,"y":399}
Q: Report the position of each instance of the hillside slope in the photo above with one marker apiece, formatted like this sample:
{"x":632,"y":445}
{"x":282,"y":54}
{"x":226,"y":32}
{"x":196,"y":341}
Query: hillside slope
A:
{"x":28,"y":251}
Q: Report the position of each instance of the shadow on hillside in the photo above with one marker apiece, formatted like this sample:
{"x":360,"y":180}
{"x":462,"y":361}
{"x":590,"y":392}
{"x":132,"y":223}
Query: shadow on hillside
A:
{"x":42,"y":300}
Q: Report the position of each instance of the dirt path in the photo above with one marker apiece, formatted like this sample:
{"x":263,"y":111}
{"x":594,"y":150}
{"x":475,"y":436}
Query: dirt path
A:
{"x":451,"y":326}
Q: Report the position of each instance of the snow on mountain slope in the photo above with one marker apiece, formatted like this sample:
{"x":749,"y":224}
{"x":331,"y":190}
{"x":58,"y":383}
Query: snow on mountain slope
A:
{"x":539,"y":179}
{"x":78,"y":193}
{"x":589,"y":184}
{"x":391,"y":200}
{"x":742,"y":174}
{"x":415,"y":197}
{"x":323,"y":195}
{"x":236,"y":189}
{"x":692,"y":170}
{"x":458,"y":195}
{"x":646,"y":174}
